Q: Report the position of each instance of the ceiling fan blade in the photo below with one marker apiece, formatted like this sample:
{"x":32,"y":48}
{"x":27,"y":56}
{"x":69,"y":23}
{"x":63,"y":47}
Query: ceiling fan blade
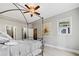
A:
{"x":27,"y":6}
{"x":37,"y":13}
{"x":37,"y":7}
{"x":26,"y":12}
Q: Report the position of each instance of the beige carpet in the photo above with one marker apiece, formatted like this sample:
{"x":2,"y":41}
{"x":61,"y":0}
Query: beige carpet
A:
{"x":49,"y":51}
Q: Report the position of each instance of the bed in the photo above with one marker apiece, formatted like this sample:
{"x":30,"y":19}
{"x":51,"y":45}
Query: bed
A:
{"x":10,"y":47}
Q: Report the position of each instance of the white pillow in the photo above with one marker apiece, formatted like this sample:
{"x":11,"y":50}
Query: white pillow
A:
{"x":11,"y":43}
{"x":5,"y":35}
{"x":3,"y":40}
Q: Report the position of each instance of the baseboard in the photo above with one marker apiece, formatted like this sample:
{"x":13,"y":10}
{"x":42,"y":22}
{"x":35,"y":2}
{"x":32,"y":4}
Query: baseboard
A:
{"x":66,"y":49}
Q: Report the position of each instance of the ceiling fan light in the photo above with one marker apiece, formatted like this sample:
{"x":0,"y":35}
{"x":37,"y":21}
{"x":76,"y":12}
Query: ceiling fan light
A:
{"x":33,"y":9}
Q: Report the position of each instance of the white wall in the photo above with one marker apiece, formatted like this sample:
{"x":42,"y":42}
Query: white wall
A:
{"x":70,"y":42}
{"x":8,"y":21}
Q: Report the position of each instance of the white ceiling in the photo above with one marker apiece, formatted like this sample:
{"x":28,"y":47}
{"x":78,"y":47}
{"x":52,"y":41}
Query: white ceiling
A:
{"x":46,"y":10}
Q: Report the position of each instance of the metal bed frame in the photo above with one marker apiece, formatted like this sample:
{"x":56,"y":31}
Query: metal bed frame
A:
{"x":27,"y":24}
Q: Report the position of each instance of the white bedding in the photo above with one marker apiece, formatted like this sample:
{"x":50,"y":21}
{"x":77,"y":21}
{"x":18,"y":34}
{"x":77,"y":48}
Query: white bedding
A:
{"x":35,"y":52}
{"x":22,"y":48}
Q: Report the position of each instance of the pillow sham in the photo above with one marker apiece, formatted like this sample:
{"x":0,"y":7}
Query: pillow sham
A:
{"x":4,"y":35}
{"x":11,"y":43}
{"x":3,"y":40}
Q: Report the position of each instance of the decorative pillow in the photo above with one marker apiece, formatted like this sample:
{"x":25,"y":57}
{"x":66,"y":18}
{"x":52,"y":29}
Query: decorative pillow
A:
{"x":3,"y":40}
{"x":4,"y":37}
{"x":11,"y":43}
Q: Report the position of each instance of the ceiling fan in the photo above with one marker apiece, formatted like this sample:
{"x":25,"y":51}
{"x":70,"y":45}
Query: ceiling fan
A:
{"x":32,"y":9}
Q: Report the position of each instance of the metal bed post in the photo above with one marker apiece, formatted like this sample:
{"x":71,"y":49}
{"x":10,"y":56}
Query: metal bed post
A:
{"x":42,"y":39}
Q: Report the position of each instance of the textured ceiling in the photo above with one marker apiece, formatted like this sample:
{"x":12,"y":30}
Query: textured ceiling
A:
{"x":46,"y":10}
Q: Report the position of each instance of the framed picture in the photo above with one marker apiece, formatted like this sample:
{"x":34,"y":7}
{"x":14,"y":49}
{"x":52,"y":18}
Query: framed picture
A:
{"x":11,"y":31}
{"x":64,"y":26}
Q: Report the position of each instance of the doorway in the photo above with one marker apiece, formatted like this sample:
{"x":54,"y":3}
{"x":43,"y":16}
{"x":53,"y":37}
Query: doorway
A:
{"x":35,"y":34}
